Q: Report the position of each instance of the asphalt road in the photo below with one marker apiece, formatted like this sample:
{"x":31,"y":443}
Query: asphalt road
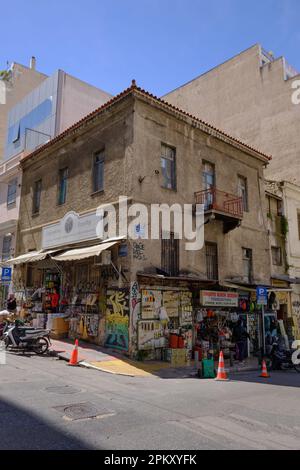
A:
{"x":45,"y":404}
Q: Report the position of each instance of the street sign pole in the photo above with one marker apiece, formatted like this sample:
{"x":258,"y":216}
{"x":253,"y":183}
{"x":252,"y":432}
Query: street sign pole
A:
{"x":263,"y":330}
{"x":262,"y":300}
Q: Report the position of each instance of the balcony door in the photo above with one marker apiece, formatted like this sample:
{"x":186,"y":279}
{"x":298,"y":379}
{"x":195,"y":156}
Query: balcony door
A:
{"x":208,"y":184}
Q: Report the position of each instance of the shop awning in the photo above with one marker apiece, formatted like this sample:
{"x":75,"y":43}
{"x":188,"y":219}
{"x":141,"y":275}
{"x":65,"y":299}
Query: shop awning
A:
{"x":28,"y":257}
{"x":82,"y":253}
{"x":252,"y":288}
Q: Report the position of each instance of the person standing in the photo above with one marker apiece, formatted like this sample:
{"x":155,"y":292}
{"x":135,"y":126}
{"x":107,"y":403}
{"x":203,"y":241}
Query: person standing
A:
{"x":11,"y":303}
{"x":240,"y":336}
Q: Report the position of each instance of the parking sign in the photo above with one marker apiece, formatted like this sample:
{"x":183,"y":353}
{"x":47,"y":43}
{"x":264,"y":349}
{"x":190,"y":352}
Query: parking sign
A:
{"x":6,"y":275}
{"x":261,"y":295}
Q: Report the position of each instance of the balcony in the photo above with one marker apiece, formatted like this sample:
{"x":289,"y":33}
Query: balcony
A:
{"x":221,"y":206}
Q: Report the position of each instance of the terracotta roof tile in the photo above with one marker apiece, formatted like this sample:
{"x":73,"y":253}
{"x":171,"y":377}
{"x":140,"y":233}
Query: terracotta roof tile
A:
{"x":123,"y":94}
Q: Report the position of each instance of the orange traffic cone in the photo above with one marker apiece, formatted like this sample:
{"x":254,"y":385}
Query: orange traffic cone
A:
{"x":264,"y":370}
{"x":74,"y":357}
{"x":221,"y":376}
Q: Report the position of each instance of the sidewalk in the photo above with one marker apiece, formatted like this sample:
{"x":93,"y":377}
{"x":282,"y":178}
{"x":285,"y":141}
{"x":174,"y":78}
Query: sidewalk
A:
{"x":112,"y":362}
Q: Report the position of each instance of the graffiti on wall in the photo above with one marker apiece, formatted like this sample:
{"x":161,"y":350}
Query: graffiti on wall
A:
{"x":117,"y":319}
{"x":138,"y":251}
{"x":135,"y":311}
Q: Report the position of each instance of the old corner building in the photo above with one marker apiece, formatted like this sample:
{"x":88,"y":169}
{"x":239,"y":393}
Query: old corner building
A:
{"x":139,"y":296}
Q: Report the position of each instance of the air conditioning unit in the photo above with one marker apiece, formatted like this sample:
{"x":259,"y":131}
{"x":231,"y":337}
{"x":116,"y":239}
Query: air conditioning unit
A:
{"x":104,"y":259}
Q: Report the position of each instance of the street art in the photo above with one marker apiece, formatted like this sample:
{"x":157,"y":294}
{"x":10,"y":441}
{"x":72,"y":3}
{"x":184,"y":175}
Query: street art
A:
{"x":135,"y":311}
{"x":117,"y":319}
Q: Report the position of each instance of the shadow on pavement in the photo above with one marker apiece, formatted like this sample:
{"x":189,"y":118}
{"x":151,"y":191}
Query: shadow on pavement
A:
{"x":288,"y":378}
{"x":21,"y":429}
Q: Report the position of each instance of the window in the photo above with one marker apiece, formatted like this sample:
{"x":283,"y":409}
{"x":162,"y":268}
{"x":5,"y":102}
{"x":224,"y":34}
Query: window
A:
{"x":276,"y":255}
{"x":168,"y":167}
{"x":12,"y":192}
{"x":98,"y":172}
{"x":170,"y":255}
{"x":247,"y":265}
{"x":243,"y":192}
{"x":6,"y":247}
{"x":37,"y":190}
{"x":62,"y":190}
{"x":279,"y":207}
{"x":208,"y":184}
{"x":211,"y":252}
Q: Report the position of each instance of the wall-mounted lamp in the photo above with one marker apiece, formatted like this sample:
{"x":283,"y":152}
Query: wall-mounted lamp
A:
{"x":141,"y":178}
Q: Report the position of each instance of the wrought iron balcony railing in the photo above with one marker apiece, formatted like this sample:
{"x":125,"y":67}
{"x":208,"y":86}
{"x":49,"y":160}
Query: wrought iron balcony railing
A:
{"x":220,"y":201}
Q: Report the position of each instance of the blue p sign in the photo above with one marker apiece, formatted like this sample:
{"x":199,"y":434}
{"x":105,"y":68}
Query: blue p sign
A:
{"x":262,"y":295}
{"x":6,"y":274}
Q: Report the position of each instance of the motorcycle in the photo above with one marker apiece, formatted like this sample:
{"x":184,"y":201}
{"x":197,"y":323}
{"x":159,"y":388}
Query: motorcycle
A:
{"x":4,"y":327}
{"x":27,"y":339}
{"x":282,"y":358}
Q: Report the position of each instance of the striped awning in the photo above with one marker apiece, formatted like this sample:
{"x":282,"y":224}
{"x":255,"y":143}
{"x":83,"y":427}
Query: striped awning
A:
{"x":28,"y":258}
{"x":82,"y":253}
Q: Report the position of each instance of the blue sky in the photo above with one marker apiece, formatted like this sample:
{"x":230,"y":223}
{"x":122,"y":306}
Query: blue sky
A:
{"x":160,"y":43}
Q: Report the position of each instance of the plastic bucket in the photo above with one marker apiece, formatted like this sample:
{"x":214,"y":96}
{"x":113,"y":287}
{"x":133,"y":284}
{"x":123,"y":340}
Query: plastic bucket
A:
{"x":173,"y":341}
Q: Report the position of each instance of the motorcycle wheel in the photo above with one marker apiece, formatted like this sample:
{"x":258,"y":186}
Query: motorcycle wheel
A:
{"x":41,"y":346}
{"x":297,"y":367}
{"x":6,"y":342}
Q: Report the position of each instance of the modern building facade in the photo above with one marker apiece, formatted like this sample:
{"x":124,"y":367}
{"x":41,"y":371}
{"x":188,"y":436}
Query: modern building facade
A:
{"x":48,"y":110}
{"x":15,"y":83}
{"x":118,"y":292}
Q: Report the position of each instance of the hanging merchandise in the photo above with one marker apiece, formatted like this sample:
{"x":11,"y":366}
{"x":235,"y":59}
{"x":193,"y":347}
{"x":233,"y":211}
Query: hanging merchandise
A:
{"x":163,"y":316}
{"x":186,"y":308}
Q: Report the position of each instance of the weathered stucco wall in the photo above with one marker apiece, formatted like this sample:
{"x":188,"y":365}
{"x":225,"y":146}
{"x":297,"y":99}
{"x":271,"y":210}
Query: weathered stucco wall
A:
{"x":132,"y":142}
{"x":152,"y":127}
{"x":112,"y":132}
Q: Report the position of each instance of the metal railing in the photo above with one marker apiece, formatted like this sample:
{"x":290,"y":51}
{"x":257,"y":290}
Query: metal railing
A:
{"x":214,"y":199}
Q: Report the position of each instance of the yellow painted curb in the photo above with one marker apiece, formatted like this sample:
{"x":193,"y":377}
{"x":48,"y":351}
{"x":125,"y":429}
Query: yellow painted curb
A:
{"x":131,"y":368}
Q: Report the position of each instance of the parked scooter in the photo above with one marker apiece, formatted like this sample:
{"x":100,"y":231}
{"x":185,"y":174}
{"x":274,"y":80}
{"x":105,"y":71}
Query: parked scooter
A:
{"x":282,"y":358}
{"x":27,"y":338}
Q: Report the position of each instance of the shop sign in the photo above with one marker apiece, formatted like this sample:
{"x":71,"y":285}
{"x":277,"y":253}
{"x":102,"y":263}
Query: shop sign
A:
{"x":72,"y":228}
{"x":219,"y":299}
{"x":261,"y":295}
{"x":282,"y":297}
